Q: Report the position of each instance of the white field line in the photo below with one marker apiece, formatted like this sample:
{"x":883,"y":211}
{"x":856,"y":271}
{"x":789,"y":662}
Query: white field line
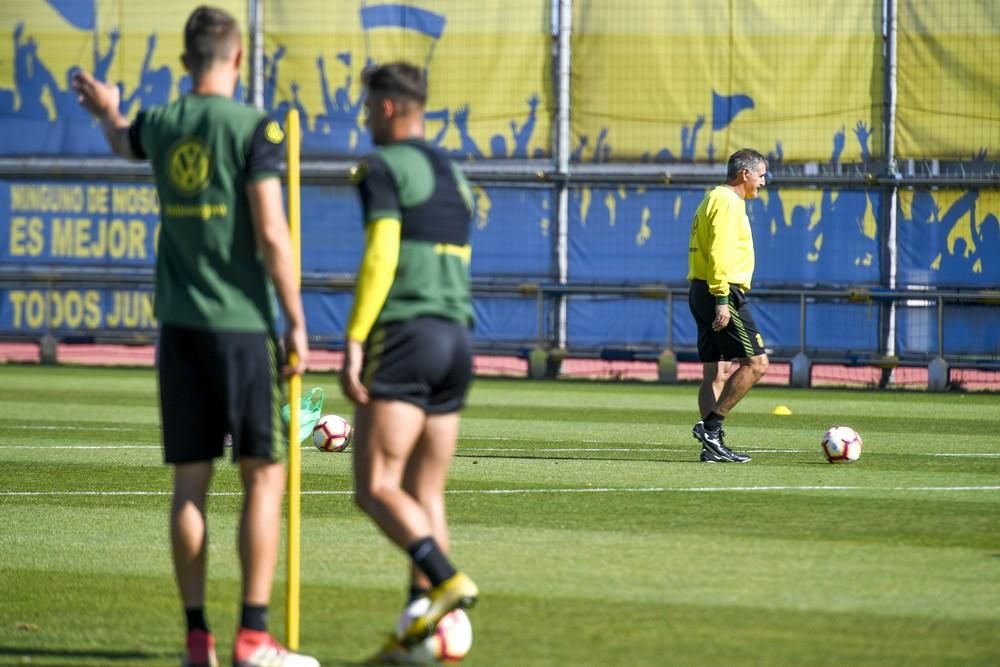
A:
{"x":644,"y":447}
{"x":77,"y":427}
{"x":649,"y":489}
{"x":584,"y":450}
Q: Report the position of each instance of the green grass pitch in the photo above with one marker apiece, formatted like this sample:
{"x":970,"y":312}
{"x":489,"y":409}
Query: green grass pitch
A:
{"x":579,"y":508}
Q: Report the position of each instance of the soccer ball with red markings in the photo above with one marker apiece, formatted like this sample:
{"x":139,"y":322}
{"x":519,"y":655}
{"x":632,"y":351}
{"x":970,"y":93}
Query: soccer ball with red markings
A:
{"x":332,"y":433}
{"x":841,"y":444}
{"x":451,"y":640}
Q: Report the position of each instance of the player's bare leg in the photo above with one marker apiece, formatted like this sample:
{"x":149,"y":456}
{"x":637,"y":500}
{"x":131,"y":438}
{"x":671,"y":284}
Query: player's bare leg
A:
{"x":259,"y":536}
{"x":386,"y":432}
{"x":260,"y":526}
{"x":426,"y":477}
{"x":709,"y":430}
{"x":750,"y":370}
{"x":189,"y":530}
{"x":713,"y":379}
{"x":189,"y":542}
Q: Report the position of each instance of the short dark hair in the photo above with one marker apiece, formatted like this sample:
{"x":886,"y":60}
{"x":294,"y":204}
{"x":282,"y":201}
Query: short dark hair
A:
{"x":745,"y":158}
{"x":399,"y":80}
{"x":210,"y":34}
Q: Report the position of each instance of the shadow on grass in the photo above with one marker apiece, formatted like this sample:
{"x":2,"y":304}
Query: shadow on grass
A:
{"x":112,"y":657}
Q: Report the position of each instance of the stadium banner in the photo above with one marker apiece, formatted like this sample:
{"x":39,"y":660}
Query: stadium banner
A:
{"x":512,"y":232}
{"x":735,"y":79}
{"x":632,"y":322}
{"x":507,"y":320}
{"x":968,"y":329}
{"x":78,"y":312}
{"x":106,"y":226}
{"x":75,"y":311}
{"x":622,"y":322}
{"x":115,"y":225}
{"x":779,"y":323}
{"x":948,"y":238}
{"x":696,"y":80}
{"x":500,"y":320}
{"x":487,"y":64}
{"x":801,"y":236}
{"x":133,"y":44}
{"x":948,"y":91}
{"x":74,"y":224}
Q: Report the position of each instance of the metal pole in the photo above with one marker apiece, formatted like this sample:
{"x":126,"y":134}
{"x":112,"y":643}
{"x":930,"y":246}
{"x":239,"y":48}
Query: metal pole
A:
{"x":802,"y":322}
{"x":565,"y":27}
{"x":256,"y":32}
{"x":891,"y":192}
{"x":670,"y":320}
{"x":940,"y":326}
{"x":540,"y":314}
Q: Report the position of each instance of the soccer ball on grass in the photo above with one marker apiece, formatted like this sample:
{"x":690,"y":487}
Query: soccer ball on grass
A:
{"x":451,"y":640}
{"x":332,"y":433}
{"x":841,"y":444}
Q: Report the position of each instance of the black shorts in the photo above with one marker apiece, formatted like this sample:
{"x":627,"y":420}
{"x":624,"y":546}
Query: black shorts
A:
{"x":213,"y":383}
{"x":426,"y":361}
{"x":740,"y":339}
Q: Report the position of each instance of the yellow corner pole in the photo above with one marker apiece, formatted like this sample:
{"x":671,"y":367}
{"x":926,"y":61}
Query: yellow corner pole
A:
{"x":294,"y":399}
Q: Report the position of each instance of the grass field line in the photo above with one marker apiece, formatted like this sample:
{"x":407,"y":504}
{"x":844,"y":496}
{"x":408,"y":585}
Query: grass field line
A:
{"x":646,"y":489}
{"x":465,"y":450}
{"x":583,"y":450}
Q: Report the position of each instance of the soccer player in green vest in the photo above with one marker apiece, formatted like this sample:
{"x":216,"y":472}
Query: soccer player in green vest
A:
{"x":224,"y":251}
{"x":408,"y":362}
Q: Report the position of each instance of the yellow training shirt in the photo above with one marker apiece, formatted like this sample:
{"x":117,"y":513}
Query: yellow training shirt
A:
{"x":720,"y":251}
{"x":375,"y":276}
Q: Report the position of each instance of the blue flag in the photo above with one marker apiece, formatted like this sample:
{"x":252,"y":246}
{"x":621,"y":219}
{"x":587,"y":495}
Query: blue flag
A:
{"x":402,"y":16}
{"x":80,"y":13}
{"x":725,"y":108}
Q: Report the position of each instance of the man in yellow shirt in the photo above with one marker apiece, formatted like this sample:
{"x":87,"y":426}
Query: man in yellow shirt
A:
{"x":720,"y":268}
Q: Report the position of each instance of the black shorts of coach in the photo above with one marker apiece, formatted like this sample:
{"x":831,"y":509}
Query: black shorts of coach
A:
{"x":741,"y":338}
{"x":213,"y":383}
{"x":426,"y":361}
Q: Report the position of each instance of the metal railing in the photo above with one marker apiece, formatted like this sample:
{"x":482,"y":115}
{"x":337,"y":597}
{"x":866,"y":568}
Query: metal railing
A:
{"x":547,"y":296}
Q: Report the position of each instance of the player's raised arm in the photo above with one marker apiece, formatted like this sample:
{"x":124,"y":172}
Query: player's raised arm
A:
{"x":102,"y":100}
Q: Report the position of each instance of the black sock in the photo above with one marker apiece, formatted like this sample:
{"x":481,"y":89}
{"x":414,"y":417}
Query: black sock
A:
{"x":427,"y":555}
{"x":254,"y":617}
{"x":713,"y":421}
{"x":196,"y":619}
{"x":416,"y":592}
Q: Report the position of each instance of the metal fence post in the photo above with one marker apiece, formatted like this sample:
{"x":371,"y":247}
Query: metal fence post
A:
{"x":255,"y":21}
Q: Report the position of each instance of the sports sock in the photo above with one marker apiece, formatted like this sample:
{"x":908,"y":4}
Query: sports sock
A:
{"x":254,"y":617}
{"x":713,"y":421}
{"x":196,"y":619}
{"x":416,"y":592}
{"x":427,"y":555}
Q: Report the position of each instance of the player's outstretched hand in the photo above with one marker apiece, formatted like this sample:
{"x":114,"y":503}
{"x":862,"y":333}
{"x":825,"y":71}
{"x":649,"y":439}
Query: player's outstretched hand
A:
{"x":99,"y":98}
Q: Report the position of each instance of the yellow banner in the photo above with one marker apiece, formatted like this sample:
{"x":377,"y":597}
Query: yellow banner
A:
{"x":699,"y":79}
{"x":137,"y":45}
{"x":487,"y":61}
{"x":949,"y":80}
{"x":948,"y":236}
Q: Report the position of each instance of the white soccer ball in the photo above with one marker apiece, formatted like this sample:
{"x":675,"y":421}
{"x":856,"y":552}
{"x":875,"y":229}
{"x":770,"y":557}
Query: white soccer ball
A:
{"x":332,"y":433}
{"x":452,"y":637}
{"x":841,"y":444}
